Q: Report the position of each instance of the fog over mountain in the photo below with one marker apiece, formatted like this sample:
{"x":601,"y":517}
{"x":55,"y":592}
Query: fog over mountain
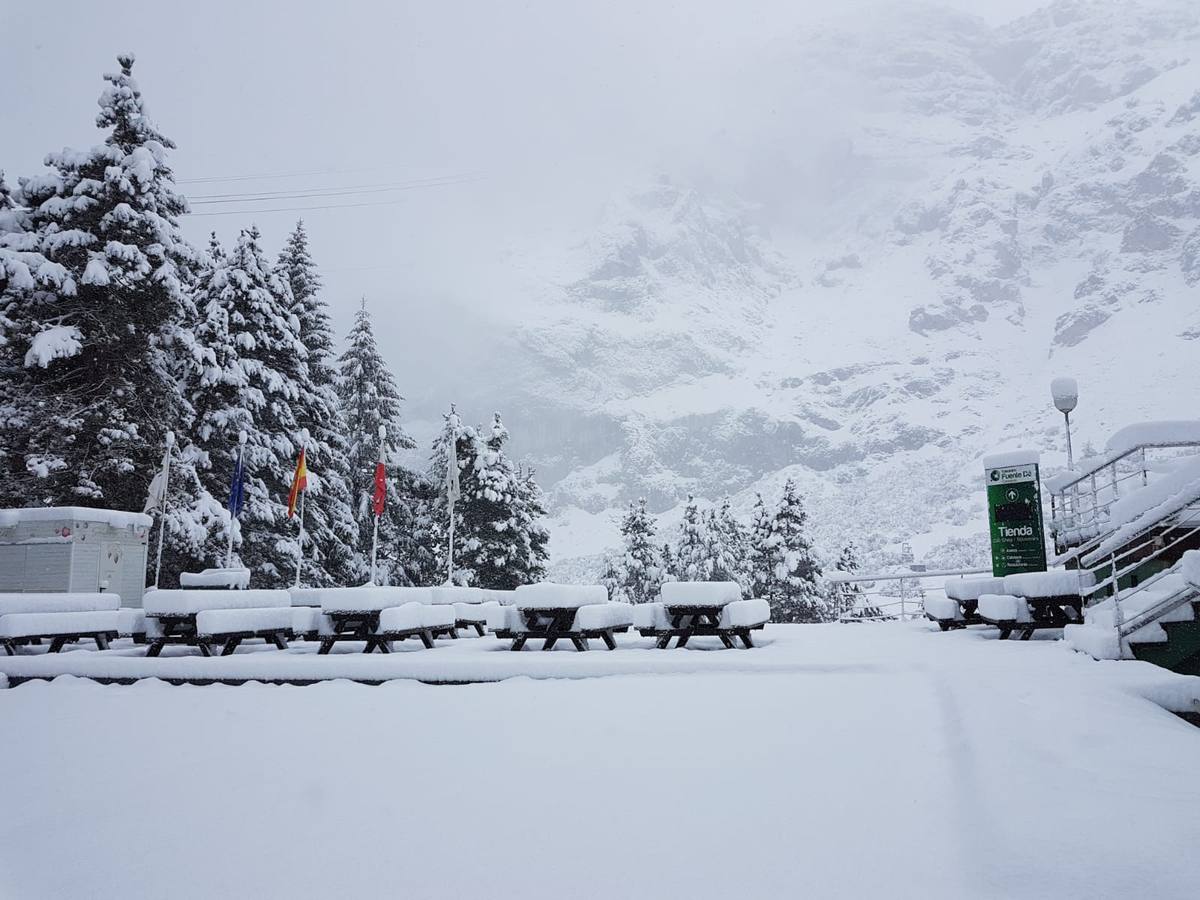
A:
{"x":701,"y":248}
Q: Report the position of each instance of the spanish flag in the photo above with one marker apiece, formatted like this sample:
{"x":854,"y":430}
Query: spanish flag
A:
{"x":299,"y":483}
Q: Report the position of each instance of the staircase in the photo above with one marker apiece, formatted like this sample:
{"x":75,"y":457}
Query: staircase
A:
{"x":1167,"y":632}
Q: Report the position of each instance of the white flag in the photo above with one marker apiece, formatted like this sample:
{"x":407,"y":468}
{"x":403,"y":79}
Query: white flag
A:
{"x":452,"y":487}
{"x":158,"y":486}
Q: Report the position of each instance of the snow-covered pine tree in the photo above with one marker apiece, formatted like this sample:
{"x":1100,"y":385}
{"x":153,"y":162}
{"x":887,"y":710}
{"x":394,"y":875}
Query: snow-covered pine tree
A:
{"x":670,"y":569}
{"x":793,"y":589}
{"x":369,"y":399}
{"x":333,"y":557}
{"x":728,"y":547}
{"x":760,"y":549}
{"x":693,"y":561}
{"x":531,"y":514}
{"x":845,"y":597}
{"x":98,"y":353}
{"x":639,"y":569}
{"x":248,"y":341}
{"x":496,"y":539}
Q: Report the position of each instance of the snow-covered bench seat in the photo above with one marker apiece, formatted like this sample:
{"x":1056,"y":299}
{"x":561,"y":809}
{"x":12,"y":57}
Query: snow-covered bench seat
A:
{"x":231,"y":579}
{"x":232,"y":626}
{"x":309,"y":623}
{"x":702,"y":609}
{"x":958,"y":608}
{"x":178,"y":616}
{"x":55,"y":602}
{"x":946,"y":611}
{"x":20,"y":628}
{"x":504,"y":621}
{"x":468,"y":604}
{"x":420,"y":620}
{"x":575,"y":612}
{"x":131,"y":623}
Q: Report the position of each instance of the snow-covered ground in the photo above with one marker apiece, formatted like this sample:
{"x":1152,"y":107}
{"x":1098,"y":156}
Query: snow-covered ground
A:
{"x":835,"y":761}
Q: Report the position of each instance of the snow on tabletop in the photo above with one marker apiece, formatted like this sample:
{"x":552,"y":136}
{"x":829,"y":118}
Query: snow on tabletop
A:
{"x":1180,"y":431}
{"x":400,"y":618}
{"x":700,"y":593}
{"x":500,"y":618}
{"x":370,"y":599}
{"x":548,"y":595}
{"x":504,"y":598}
{"x":131,"y":622}
{"x":745,"y":614}
{"x":651,"y":615}
{"x":27,"y":624}
{"x":1005,"y":459}
{"x":943,"y":609}
{"x":437,"y":616}
{"x":604,"y":615}
{"x":451,"y":594}
{"x":470,"y":612}
{"x":216,"y":578}
{"x":1004,"y":608}
{"x":1190,"y":567}
{"x":226,"y":621}
{"x":972,"y":588}
{"x":187,"y":602}
{"x":113,"y":517}
{"x":45,"y":603}
{"x":1058,"y":583}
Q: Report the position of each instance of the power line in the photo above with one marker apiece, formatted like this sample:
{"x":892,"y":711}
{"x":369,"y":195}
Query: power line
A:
{"x":211,"y":179}
{"x":349,"y":190}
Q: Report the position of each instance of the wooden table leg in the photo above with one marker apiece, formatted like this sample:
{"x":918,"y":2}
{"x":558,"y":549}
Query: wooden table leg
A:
{"x":663,"y":642}
{"x":548,"y":643}
{"x":580,"y":643}
{"x":745,"y":636}
{"x":518,"y":642}
{"x":102,"y":642}
{"x":609,"y":641}
{"x":326,"y":645}
{"x":683,"y":639}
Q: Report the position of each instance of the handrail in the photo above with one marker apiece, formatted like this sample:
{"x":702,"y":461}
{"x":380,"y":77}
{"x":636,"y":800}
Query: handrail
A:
{"x":1105,"y":461}
{"x":1186,"y":594}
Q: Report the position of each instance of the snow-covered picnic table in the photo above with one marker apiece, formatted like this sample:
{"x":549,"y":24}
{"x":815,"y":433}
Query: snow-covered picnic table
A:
{"x":378,"y":615}
{"x":61,"y":618}
{"x":553,"y":612}
{"x":202,"y":618}
{"x":702,"y":609}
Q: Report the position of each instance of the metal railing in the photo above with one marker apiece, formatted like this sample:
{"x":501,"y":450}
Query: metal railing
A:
{"x":906,"y":605}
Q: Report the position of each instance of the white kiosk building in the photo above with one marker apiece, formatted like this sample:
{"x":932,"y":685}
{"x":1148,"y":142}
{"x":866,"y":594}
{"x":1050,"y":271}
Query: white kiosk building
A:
{"x":74,"y":549}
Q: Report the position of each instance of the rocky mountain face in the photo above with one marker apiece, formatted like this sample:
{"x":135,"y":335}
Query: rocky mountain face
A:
{"x":988,"y":208}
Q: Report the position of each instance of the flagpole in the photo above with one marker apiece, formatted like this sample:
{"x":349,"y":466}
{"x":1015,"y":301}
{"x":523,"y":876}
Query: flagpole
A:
{"x":300,"y":545}
{"x":452,"y":489}
{"x":162,"y":510}
{"x":237,"y":473}
{"x":375,"y":531}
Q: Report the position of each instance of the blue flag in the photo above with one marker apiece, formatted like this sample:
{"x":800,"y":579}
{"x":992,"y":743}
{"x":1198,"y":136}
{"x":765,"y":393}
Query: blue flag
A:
{"x":237,"y":489}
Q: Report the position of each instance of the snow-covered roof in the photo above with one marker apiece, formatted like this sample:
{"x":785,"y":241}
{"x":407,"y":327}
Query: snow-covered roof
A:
{"x":1011,"y":458}
{"x":114,"y":517}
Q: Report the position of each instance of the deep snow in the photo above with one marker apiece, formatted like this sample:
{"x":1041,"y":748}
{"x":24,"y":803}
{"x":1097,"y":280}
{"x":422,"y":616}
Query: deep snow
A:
{"x":836,"y":761}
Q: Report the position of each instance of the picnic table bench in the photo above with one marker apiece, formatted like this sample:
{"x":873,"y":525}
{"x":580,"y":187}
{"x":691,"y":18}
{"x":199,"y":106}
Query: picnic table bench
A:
{"x":62,"y":618}
{"x":553,"y":612}
{"x":206,"y":619}
{"x":376,"y":616}
{"x":702,"y":609}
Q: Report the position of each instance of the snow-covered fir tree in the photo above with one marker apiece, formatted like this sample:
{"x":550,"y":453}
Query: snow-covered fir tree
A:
{"x":249,"y":342}
{"x":370,"y":399}
{"x":90,"y":361}
{"x":334,"y":556}
{"x":693,"y":561}
{"x":728,"y":547}
{"x":846,"y":597}
{"x":530,"y":518}
{"x":793,"y":580}
{"x":670,"y":570}
{"x":760,"y":545}
{"x":638,"y":571}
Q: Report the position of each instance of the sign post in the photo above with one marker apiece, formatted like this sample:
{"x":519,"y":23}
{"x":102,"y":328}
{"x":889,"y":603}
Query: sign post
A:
{"x":1015,"y":513}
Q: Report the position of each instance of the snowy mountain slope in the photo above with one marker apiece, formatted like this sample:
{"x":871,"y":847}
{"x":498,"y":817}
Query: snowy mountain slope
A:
{"x":1013,"y":203}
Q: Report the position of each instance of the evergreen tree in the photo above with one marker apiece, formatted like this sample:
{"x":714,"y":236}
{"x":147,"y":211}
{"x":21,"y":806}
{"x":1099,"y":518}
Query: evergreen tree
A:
{"x":760,"y":541}
{"x":638,"y":572}
{"x":845,"y":597}
{"x":333,"y":556}
{"x":249,"y":342}
{"x":670,"y":568}
{"x":728,"y":547}
{"x":531,"y":514}
{"x":90,"y":356}
{"x":369,"y":399}
{"x":793,"y":587}
{"x":466,"y":444}
{"x":692,"y":554}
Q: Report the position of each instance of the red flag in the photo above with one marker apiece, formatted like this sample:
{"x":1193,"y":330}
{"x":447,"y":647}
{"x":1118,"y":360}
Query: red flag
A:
{"x":299,"y":483}
{"x":380,"y":497}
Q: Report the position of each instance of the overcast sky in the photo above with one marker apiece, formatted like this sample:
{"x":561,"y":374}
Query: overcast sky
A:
{"x":494,"y":119}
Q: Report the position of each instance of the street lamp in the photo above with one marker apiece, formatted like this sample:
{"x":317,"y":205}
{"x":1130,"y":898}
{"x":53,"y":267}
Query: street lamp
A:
{"x":1066,"y":397}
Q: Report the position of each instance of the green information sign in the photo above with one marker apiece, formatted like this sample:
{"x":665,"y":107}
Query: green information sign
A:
{"x":1015,"y":516}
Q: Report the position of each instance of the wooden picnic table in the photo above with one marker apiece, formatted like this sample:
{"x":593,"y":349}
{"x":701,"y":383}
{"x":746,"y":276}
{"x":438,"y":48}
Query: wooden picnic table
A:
{"x":550,"y":624}
{"x":181,"y":629}
{"x":353,"y":625}
{"x":699,"y":621}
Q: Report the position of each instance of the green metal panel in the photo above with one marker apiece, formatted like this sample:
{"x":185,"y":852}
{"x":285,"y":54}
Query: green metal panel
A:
{"x":1015,"y":520}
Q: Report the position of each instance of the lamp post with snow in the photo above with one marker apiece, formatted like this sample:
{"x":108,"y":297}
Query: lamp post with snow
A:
{"x":1066,"y":397}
